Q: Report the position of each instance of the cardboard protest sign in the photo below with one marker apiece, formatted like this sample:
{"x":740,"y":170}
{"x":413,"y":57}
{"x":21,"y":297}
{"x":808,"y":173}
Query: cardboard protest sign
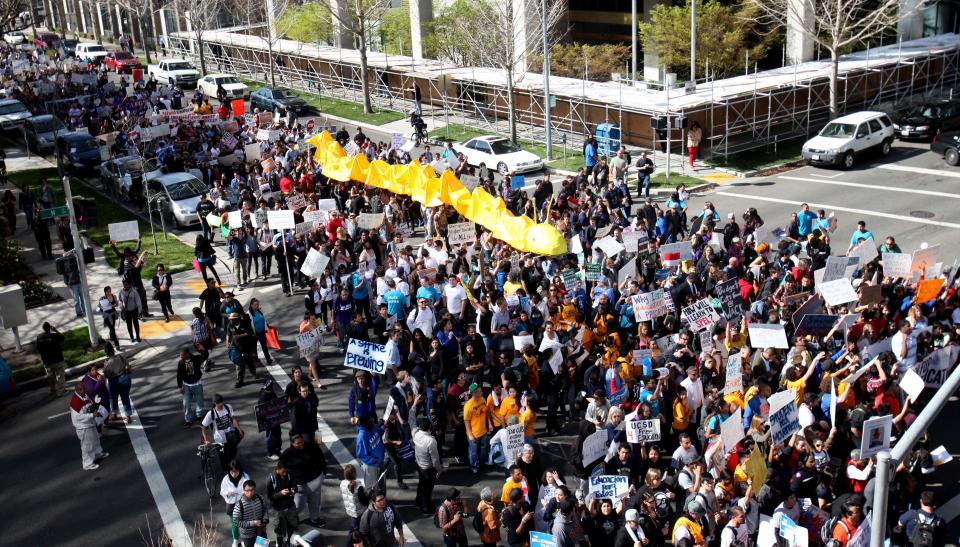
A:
{"x":928,"y":289}
{"x":272,"y":413}
{"x":367,"y":356}
{"x":642,"y":431}
{"x":252,"y":152}
{"x":924,"y":258}
{"x":734,"y":375}
{"x":609,"y":245}
{"x":315,"y":263}
{"x":281,"y":220}
{"x":731,"y":302}
{"x":640,"y":354}
{"x":124,"y":231}
{"x":866,"y":251}
{"x":594,"y":447}
{"x":514,"y":438}
{"x":296,"y":201}
{"x":816,"y":324}
{"x":767,"y":336}
{"x":912,"y":384}
{"x":370,"y":221}
{"x":700,"y":314}
{"x":876,"y":435}
{"x":461,"y":232}
{"x":835,"y":268}
{"x":235,"y":220}
{"x":784,"y":417}
{"x":731,"y":431}
{"x":870,"y":294}
{"x":648,"y":306}
{"x":897,"y":264}
{"x":609,"y":486}
{"x":838,"y":292}
{"x":673,"y":253}
{"x":469,"y":182}
{"x":522,"y":341}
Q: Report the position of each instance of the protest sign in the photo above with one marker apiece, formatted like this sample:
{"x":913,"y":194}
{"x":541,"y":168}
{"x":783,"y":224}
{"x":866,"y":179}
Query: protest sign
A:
{"x":517,"y":181}
{"x":367,"y":356}
{"x":673,"y":253}
{"x":870,"y":294}
{"x":296,"y":201}
{"x":609,"y":245}
{"x":594,"y":447}
{"x":835,"y":268}
{"x":252,"y":152}
{"x":514,"y":438}
{"x":548,"y":343}
{"x":812,"y":305}
{"x":593,"y":271}
{"x":628,"y":271}
{"x":124,"y":231}
{"x":327,"y":205}
{"x":521,"y":342}
{"x":469,"y":182}
{"x":631,"y":241}
{"x":764,"y":335}
{"x":235,"y":220}
{"x":315,"y":263}
{"x":309,"y":342}
{"x":731,"y":431}
{"x":700,"y":314}
{"x":569,"y":278}
{"x":731,"y":302}
{"x":935,"y":367}
{"x":370,"y":221}
{"x":876,"y":435}
{"x":838,"y":292}
{"x":640,"y":354}
{"x":397,"y":140}
{"x":303,"y":228}
{"x":912,"y":384}
{"x":897,"y":264}
{"x":461,"y":232}
{"x":643,"y":431}
{"x":924,"y":258}
{"x":784,"y":418}
{"x":866,"y":251}
{"x":281,"y":220}
{"x":928,"y":289}
{"x":648,"y":306}
{"x":816,"y":324}
{"x":272,"y":413}
{"x":833,"y":403}
{"x":609,"y":486}
{"x":542,"y":539}
{"x":734,"y":375}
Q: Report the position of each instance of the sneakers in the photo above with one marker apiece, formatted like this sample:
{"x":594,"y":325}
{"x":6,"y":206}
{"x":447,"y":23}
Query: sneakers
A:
{"x":273,"y":457}
{"x":91,"y":467}
{"x":103,"y":455}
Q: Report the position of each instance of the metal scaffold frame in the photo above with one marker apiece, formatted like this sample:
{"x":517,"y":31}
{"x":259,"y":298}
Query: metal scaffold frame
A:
{"x":747,"y":112}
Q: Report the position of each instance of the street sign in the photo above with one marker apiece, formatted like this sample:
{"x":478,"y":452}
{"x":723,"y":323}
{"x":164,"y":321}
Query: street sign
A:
{"x":54,"y":212}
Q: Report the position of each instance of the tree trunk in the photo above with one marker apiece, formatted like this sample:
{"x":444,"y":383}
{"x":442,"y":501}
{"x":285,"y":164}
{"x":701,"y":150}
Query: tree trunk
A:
{"x":143,"y":38}
{"x":364,"y":80}
{"x":834,"y":69}
{"x":203,"y":59}
{"x":273,"y":78}
{"x":511,"y":107}
{"x":95,"y":16}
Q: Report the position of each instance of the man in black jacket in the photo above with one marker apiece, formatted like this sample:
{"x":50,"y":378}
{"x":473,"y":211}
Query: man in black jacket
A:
{"x":189,"y":372}
{"x":307,"y":466}
{"x":281,"y":489}
{"x":50,"y":347}
{"x":303,"y":413}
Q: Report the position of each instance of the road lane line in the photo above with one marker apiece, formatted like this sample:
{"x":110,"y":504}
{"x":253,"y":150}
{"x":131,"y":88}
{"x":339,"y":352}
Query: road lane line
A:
{"x":950,"y":510}
{"x":825,"y":176}
{"x":166,"y":505}
{"x":904,"y":218}
{"x":923,"y":170}
{"x":875,"y":187}
{"x":337,"y":448}
{"x":55,"y":416}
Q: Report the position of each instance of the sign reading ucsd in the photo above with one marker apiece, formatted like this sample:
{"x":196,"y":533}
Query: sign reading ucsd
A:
{"x":365,"y":355}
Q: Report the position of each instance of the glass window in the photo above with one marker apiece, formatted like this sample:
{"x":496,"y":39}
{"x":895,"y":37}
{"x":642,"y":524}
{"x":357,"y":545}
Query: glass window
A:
{"x":875,"y":126}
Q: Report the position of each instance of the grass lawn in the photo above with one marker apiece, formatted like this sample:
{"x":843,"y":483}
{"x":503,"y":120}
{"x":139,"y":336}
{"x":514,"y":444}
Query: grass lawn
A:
{"x":338,"y":107}
{"x":74,"y":353}
{"x":660,"y":180}
{"x":176,"y":256}
{"x":459,"y":133}
{"x":761,"y":158}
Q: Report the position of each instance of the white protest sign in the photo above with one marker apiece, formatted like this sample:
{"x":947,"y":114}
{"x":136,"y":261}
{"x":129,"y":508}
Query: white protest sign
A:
{"x":609,"y":245}
{"x":368,"y":356}
{"x":935,"y":368}
{"x":252,"y":152}
{"x":609,"y":486}
{"x":866,"y":251}
{"x":575,"y":247}
{"x":327,"y":205}
{"x":281,"y":220}
{"x":838,"y":292}
{"x":124,"y":231}
{"x":548,"y":343}
{"x":235,"y":220}
{"x":734,"y":375}
{"x":461,"y":232}
{"x":924,"y":258}
{"x":767,"y":336}
{"x":731,"y":431}
{"x":397,"y":140}
{"x":315,"y":263}
{"x":628,"y":271}
{"x":389,"y":408}
{"x":648,"y":306}
{"x":673,"y":253}
{"x":876,"y":435}
{"x":912,"y":384}
{"x":897,"y":264}
{"x":701,"y":314}
{"x":521,"y":342}
{"x":836,"y":266}
{"x":369,"y":221}
{"x":296,"y":201}
{"x":784,"y":418}
{"x":642,"y":431}
{"x":309,"y":342}
{"x":514,"y":438}
{"x":318,"y":218}
{"x":594,"y":447}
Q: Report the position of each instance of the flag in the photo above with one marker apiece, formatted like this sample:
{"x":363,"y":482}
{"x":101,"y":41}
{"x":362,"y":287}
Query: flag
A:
{"x":671,"y":259}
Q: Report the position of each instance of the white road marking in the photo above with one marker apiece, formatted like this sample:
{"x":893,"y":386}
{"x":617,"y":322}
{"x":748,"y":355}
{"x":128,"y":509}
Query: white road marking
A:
{"x":923,"y":170}
{"x":337,"y":448}
{"x":825,"y":176}
{"x":55,"y":416}
{"x":904,"y":218}
{"x":950,"y":510}
{"x":166,"y":505}
{"x":875,"y":187}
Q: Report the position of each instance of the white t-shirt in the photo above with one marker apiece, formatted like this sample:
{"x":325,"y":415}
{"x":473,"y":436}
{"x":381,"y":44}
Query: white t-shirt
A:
{"x":896,"y":344}
{"x":222,"y":423}
{"x":454,"y":297}
{"x":734,"y":537}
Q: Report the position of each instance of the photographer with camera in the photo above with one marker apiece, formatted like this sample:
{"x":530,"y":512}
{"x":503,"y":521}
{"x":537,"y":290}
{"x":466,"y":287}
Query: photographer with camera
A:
{"x":83,"y":414}
{"x":449,"y":519}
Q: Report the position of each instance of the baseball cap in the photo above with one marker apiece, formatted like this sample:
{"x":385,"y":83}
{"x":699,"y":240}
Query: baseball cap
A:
{"x":632,"y":515}
{"x":473,"y":387}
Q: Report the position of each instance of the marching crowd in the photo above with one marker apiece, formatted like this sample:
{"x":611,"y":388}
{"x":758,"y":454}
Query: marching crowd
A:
{"x":732,"y":371}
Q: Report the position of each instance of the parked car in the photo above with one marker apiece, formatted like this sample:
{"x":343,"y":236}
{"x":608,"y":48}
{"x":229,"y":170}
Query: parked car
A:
{"x":927,"y":119}
{"x":41,"y":132}
{"x":182,"y":192}
{"x":175,"y":72}
{"x":117,"y":175}
{"x":121,"y":61}
{"x":848,"y":137}
{"x":234,"y":87}
{"x":46,"y":40}
{"x":14,"y":38}
{"x":78,"y":151}
{"x":89,"y":51}
{"x":12,"y":114}
{"x":267,"y":98}
{"x":500,"y":153}
{"x":947,"y":146}
{"x":68,"y":47}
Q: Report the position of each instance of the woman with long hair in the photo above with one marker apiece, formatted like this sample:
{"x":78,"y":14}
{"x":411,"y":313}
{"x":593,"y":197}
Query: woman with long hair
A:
{"x":206,"y":257}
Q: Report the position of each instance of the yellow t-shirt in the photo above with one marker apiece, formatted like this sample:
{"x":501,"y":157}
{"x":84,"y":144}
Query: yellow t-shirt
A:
{"x":681,"y":414}
{"x":475,"y":416}
{"x":508,"y":407}
{"x":801,"y":387}
{"x":508,"y":486}
{"x":529,"y":421}
{"x":494,"y":411}
{"x":510,"y":288}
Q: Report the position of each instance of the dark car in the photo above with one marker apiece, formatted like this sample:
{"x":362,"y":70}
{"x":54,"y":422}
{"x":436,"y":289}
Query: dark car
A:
{"x":267,"y":98}
{"x":41,"y":132}
{"x":78,"y":151}
{"x":924,"y":120}
{"x":68,"y":47}
{"x":46,"y":40}
{"x":947,"y":146}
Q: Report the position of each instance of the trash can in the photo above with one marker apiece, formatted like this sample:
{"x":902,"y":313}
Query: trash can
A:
{"x":608,"y":139}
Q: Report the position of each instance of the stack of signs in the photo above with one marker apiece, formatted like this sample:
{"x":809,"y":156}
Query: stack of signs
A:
{"x":731,"y":302}
{"x":764,"y":335}
{"x":461,"y":232}
{"x":569,"y":279}
{"x":784,"y":418}
{"x":648,"y":306}
{"x":315,"y":263}
{"x":734,"y":376}
{"x":700,"y":315}
{"x":643,"y":431}
{"x":370,"y":221}
{"x":369,"y":356}
{"x":310,"y":342}
{"x":609,"y":487}
{"x":593,"y":271}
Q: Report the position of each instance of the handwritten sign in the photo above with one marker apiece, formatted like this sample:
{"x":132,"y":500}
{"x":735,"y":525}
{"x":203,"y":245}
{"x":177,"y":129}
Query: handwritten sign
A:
{"x":315,"y":263}
{"x":514,"y":438}
{"x":609,"y":245}
{"x":367,"y":356}
{"x":838,"y":292}
{"x":701,"y":314}
{"x":272,"y":413}
{"x":124,"y":231}
{"x":784,"y":418}
{"x":767,"y":336}
{"x":594,"y":447}
{"x":296,"y":201}
{"x":609,"y":486}
{"x":649,"y":306}
{"x":281,"y":220}
{"x":734,"y":375}
{"x":897,"y":264}
{"x":370,"y":221}
{"x":309,"y":342}
{"x":731,"y":302}
{"x":731,"y":431}
{"x":643,"y":431}
{"x":461,"y":232}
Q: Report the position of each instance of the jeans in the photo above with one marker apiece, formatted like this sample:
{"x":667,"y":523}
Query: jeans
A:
{"x":192,"y":396}
{"x":311,"y":496}
{"x":342,"y":339}
{"x":266,"y":258}
{"x":477,"y":452}
{"x":273,"y":439}
{"x":426,"y":480}
{"x":110,"y":321}
{"x":643,"y":184}
{"x":77,"y":301}
{"x":120,"y":389}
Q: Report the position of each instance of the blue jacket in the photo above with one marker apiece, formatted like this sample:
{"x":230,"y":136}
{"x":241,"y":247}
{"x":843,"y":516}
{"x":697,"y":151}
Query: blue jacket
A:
{"x":369,"y":449}
{"x":363,"y":402}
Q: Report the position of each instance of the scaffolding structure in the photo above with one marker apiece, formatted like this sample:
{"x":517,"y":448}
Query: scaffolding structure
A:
{"x":737,"y":114}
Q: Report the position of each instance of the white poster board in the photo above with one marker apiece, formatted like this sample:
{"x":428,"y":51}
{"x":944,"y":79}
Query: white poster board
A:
{"x":609,"y":245}
{"x":370,"y":221}
{"x":642,"y":431}
{"x":731,"y":431}
{"x":701,"y":314}
{"x":838,"y":292}
{"x":764,"y":335}
{"x":369,"y":356}
{"x":649,"y":306}
{"x":281,"y":220}
{"x":876,"y":435}
{"x":784,"y":417}
{"x":609,"y":486}
{"x":252,"y":152}
{"x":897,"y":264}
{"x":461,"y":232}
{"x":124,"y":231}
{"x":315,"y":263}
{"x":594,"y":447}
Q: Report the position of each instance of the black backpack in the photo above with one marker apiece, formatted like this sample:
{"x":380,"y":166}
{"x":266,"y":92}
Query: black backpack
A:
{"x":826,"y":531}
{"x":924,"y":530}
{"x":478,"y":524}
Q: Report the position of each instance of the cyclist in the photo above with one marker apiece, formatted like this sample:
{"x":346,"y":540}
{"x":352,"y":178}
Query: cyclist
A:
{"x":221,"y":425}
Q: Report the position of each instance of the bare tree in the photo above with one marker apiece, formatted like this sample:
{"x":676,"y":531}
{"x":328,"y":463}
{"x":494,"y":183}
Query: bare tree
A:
{"x":355,"y":18}
{"x":835,"y":25}
{"x":205,"y":533}
{"x":201,"y":16}
{"x":503,"y":36}
{"x":138,"y":10}
{"x":10,"y":11}
{"x":272,"y":14}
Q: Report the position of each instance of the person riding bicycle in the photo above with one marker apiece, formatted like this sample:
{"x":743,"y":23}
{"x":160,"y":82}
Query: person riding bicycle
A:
{"x":220,"y":424}
{"x":418,"y":124}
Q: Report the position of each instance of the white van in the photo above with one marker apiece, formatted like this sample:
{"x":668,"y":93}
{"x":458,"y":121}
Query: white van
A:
{"x":848,"y":137}
{"x":92,"y":51}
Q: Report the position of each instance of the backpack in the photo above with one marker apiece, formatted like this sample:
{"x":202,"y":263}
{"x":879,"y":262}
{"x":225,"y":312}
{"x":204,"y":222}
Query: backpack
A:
{"x":924,"y":531}
{"x":478,"y":524}
{"x":826,"y":531}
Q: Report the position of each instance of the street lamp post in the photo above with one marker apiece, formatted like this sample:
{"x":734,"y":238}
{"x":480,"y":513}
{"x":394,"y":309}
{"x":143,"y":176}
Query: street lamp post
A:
{"x":546,"y":83}
{"x":693,"y":42}
{"x":78,"y":255}
{"x":633,"y":40}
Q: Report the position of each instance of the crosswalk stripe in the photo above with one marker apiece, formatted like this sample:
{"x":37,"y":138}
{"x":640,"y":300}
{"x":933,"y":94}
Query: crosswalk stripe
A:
{"x":874,"y":187}
{"x":923,"y":170}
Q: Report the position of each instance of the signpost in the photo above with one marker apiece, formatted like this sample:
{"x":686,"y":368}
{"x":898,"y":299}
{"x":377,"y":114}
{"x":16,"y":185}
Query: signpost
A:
{"x":54,"y":212}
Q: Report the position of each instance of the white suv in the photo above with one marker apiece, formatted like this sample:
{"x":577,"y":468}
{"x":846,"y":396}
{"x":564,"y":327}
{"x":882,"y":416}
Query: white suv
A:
{"x":844,"y":139}
{"x":89,"y":50}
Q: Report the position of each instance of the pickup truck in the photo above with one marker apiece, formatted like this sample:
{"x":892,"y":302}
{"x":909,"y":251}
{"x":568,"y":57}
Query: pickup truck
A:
{"x":175,"y":72}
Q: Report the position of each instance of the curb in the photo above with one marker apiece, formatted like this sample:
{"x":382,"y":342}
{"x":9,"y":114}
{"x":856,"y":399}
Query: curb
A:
{"x":73,"y":371}
{"x":758,"y":172}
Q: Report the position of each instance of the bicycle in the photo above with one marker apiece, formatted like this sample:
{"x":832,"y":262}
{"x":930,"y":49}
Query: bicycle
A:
{"x":210,"y":467}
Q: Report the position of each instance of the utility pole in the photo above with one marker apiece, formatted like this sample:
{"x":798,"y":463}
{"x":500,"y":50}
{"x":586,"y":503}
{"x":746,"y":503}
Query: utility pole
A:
{"x":693,"y":42}
{"x":546,"y":83}
{"x":633,"y":40}
{"x":78,"y":254}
